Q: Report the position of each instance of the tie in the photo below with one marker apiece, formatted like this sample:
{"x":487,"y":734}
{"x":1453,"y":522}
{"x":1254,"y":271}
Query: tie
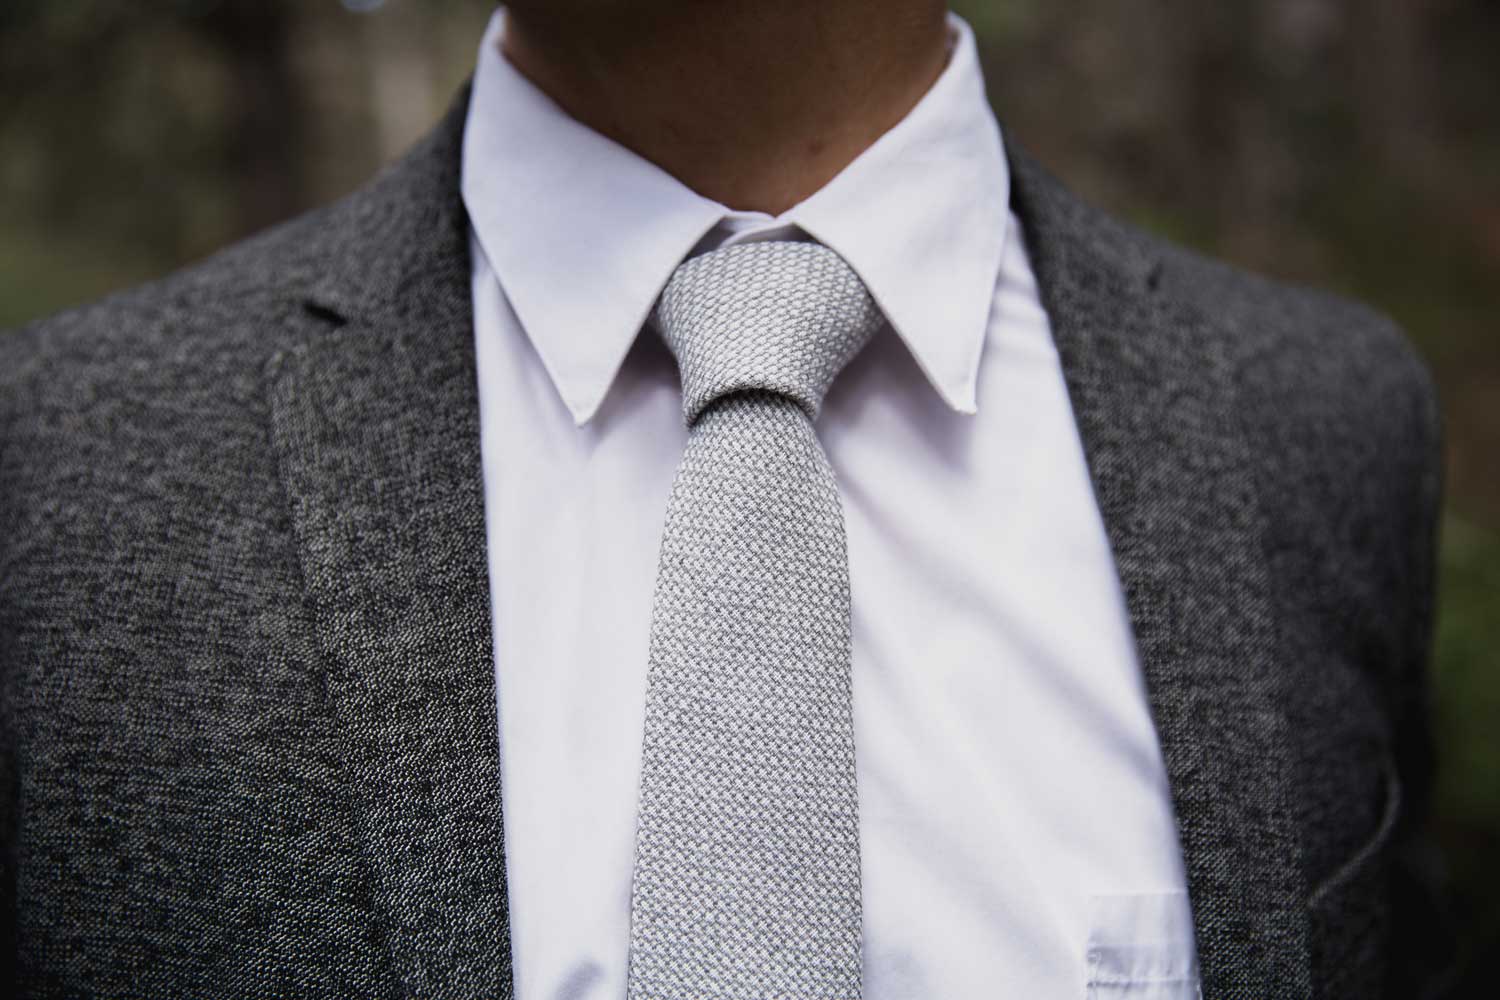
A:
{"x":746,"y":883}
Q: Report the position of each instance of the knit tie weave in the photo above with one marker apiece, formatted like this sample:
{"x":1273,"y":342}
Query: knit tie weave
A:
{"x":746,"y":883}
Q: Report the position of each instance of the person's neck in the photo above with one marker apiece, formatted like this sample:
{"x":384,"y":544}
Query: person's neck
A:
{"x":755,"y":104}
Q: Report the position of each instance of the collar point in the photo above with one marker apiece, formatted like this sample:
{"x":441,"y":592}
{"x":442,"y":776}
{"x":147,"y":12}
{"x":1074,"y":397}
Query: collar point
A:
{"x":968,"y":407}
{"x":960,"y":398}
{"x":582,"y":410}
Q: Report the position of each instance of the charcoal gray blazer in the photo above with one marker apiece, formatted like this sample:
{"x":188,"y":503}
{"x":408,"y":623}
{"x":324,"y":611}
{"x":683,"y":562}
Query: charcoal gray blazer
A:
{"x":247,"y":705}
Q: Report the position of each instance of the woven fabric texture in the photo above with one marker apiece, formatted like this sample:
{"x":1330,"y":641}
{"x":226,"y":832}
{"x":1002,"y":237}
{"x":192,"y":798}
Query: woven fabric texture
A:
{"x":747,"y":853}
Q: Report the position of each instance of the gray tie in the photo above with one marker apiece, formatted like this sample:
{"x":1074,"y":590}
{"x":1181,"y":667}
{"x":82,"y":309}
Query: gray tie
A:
{"x":747,"y":851}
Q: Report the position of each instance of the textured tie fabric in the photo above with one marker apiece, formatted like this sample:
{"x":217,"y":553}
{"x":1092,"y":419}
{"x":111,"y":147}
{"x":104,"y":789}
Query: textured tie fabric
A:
{"x":746,"y":883}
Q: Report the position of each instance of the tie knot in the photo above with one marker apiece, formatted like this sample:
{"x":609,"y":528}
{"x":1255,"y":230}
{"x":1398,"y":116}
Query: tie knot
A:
{"x":780,"y":317}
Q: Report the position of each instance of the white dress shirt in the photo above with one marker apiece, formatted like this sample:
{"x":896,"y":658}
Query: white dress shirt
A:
{"x":1016,"y":829}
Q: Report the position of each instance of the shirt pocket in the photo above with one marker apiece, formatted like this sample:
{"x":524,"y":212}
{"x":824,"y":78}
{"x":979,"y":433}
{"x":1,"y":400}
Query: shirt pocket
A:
{"x":1141,"y":947}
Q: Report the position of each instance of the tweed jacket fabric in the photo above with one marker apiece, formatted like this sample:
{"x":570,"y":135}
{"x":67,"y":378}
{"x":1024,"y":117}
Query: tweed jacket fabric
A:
{"x":247,"y":716}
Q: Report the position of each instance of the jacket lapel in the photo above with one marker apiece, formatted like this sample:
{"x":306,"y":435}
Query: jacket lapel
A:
{"x":1153,"y":388}
{"x":375,"y":417}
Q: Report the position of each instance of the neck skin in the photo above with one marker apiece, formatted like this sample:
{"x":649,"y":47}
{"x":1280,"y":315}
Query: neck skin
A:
{"x":755,"y":104}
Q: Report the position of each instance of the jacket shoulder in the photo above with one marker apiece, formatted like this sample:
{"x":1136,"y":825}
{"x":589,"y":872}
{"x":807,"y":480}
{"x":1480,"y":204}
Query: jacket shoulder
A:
{"x":232,"y":306}
{"x":195,"y":311}
{"x":109,"y":406}
{"x":1291,"y":337}
{"x":1330,"y":389}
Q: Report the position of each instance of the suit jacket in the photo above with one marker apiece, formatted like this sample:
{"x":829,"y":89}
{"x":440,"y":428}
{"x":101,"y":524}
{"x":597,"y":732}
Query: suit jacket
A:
{"x":247,"y":705}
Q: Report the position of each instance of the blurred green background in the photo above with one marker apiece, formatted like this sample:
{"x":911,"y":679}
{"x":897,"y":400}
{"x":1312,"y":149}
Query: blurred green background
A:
{"x":1354,"y":144}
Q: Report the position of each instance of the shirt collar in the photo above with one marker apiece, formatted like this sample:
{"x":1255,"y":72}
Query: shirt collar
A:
{"x":583,"y":233}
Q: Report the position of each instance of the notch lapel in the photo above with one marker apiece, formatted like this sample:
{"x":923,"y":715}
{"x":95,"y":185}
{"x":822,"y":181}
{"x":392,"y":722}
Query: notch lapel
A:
{"x":1153,"y":389}
{"x":375,"y":420}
